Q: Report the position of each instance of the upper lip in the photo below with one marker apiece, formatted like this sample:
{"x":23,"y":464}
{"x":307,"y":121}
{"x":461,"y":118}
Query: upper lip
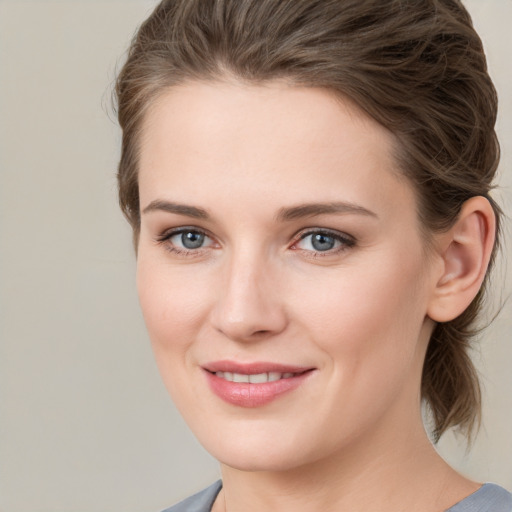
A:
{"x":253,"y":368}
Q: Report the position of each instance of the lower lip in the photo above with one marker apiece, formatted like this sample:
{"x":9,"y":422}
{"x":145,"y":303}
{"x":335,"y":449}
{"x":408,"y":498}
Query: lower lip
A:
{"x":244,"y":394}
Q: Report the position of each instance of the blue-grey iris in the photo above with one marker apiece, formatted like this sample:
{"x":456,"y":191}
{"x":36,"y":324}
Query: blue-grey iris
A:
{"x":322,"y":242}
{"x":192,"y":239}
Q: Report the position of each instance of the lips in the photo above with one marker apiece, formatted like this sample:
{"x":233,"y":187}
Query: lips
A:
{"x":254,"y":384}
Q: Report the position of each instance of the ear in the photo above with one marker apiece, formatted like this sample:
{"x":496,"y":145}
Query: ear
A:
{"x":465,"y":251}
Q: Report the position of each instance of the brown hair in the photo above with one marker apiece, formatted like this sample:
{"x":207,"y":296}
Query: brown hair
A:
{"x":415,"y":66}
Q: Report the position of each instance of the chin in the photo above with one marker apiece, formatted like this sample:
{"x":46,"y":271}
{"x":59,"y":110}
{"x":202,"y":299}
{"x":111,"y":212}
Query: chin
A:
{"x":260,"y":451}
{"x":259,"y":460}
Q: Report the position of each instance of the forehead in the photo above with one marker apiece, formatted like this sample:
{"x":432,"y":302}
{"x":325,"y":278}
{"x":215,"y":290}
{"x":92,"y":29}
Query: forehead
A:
{"x":231,"y":138}
{"x":249,"y":114}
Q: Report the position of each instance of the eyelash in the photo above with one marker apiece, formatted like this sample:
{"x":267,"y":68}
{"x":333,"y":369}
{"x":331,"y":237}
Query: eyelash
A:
{"x":345,"y":242}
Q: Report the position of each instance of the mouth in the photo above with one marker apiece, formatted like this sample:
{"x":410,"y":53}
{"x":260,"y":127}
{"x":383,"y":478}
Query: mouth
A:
{"x":255,"y":384}
{"x":255,"y":378}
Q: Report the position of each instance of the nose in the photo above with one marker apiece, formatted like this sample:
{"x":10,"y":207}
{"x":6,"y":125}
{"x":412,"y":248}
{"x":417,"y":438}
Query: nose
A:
{"x":250,"y":305}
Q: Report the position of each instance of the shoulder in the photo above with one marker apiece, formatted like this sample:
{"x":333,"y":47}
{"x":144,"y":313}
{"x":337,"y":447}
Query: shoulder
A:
{"x":200,"y":502}
{"x":489,"y":498}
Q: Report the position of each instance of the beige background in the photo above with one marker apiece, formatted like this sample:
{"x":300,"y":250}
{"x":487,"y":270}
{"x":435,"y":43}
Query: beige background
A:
{"x":85,"y":424}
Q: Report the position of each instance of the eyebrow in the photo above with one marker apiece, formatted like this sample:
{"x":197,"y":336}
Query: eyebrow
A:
{"x":179,"y":209}
{"x":283,"y":215}
{"x":314,"y":209}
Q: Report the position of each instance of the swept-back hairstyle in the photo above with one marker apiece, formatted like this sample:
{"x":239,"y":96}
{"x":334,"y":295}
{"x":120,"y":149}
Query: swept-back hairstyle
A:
{"x":415,"y":66}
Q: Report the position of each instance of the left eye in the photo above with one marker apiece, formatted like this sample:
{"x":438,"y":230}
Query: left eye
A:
{"x":322,"y":242}
{"x":190,"y":240}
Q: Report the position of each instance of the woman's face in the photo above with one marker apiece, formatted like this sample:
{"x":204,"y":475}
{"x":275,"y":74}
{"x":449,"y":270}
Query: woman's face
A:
{"x":281,"y":272}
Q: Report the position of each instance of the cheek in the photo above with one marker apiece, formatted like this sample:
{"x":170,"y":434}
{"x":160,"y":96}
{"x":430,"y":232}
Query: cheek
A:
{"x":172,"y":303}
{"x":173,"y":310}
{"x":369,"y":316}
{"x":368,"y":330}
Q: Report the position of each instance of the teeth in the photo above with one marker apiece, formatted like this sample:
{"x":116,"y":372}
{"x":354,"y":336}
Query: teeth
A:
{"x":258,"y":378}
{"x":238,"y":377}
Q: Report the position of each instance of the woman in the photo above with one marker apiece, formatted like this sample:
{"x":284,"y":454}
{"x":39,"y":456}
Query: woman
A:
{"x":308,"y":185}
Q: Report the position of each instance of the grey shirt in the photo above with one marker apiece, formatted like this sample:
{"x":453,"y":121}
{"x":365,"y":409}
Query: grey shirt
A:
{"x":489,"y":498}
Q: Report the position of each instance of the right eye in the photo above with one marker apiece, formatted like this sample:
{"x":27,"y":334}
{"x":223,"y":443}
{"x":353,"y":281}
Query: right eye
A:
{"x":185,"y":240}
{"x":188,"y":239}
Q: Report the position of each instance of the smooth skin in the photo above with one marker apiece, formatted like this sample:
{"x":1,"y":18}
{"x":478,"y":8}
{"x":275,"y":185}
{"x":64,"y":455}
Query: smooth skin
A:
{"x":277,"y":227}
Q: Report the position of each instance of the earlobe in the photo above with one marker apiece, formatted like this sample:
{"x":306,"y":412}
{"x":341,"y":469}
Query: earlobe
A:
{"x":465,"y":251}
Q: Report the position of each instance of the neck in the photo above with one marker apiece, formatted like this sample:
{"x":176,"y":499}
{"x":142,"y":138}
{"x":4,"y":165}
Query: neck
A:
{"x":404,"y":473}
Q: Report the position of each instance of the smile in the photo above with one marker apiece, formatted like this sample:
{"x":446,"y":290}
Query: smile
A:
{"x":255,"y":384}
{"x":256,"y":378}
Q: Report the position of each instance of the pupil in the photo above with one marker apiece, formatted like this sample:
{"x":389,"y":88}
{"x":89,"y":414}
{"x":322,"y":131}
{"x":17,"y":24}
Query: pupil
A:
{"x":192,"y":240}
{"x":322,"y":242}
